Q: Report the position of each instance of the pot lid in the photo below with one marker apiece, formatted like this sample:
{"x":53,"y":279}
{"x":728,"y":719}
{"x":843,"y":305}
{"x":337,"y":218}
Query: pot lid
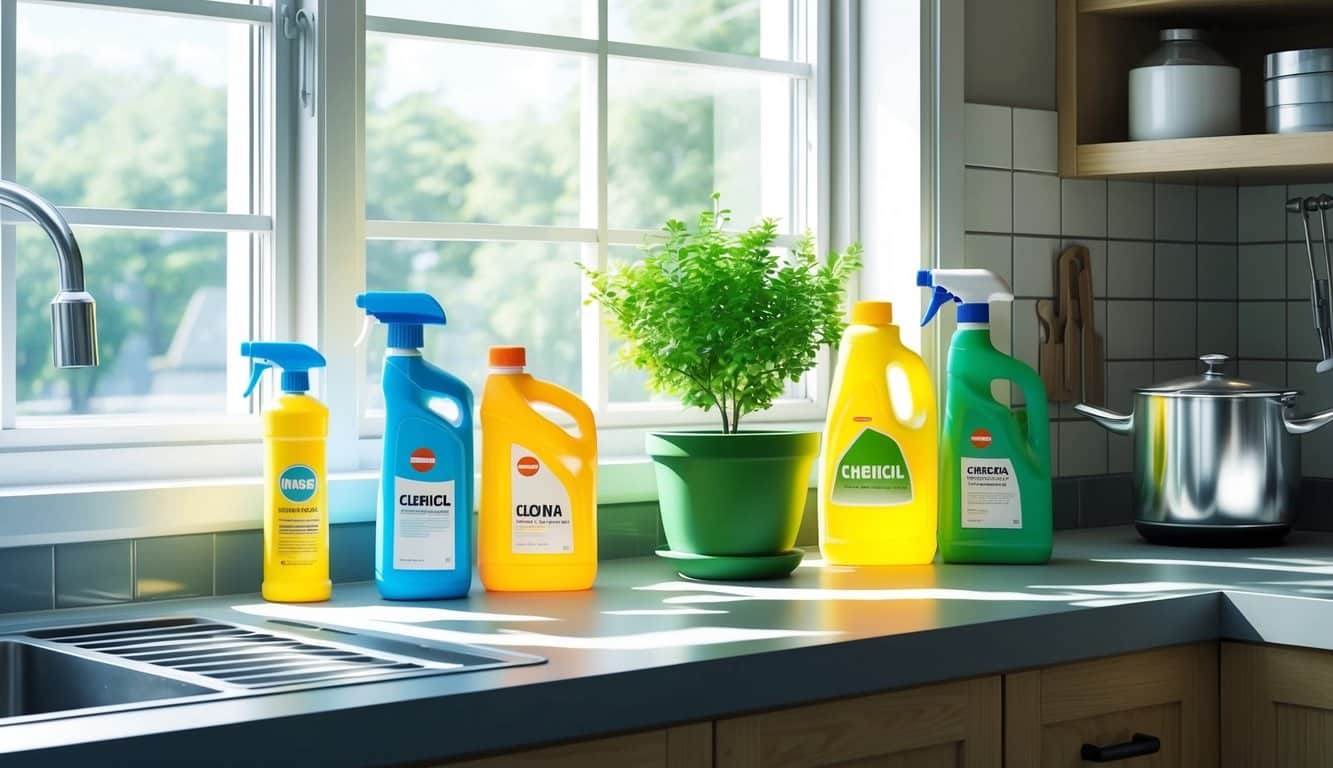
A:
{"x":1212,"y":383}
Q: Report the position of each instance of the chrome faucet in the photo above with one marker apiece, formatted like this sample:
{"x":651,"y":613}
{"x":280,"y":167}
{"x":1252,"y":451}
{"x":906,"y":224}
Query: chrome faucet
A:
{"x":73,"y":311}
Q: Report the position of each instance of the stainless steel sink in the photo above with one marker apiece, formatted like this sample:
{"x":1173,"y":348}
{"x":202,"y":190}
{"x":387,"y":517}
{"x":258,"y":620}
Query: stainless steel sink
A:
{"x":90,"y":669}
{"x":41,"y":681}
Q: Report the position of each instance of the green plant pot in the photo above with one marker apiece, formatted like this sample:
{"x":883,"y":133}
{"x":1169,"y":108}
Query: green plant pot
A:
{"x":736,"y":495}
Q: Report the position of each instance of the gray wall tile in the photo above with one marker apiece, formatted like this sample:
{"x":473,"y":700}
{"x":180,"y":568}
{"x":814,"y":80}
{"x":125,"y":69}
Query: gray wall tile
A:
{"x":1082,"y":448}
{"x":1122,"y":378}
{"x":1262,"y":271}
{"x":26,"y":579}
{"x":1302,"y":341}
{"x":1262,"y":330}
{"x":988,"y":205}
{"x":1036,"y":203}
{"x":993,"y":252}
{"x":1298,"y":270}
{"x":1026,"y":330}
{"x":173,"y":566}
{"x":352,"y":552}
{"x":1105,"y":501}
{"x":1272,"y":372}
{"x":1260,"y":214}
{"x":1217,"y":271}
{"x":1173,"y":213}
{"x":1083,"y":207}
{"x":1036,"y":142}
{"x":1166,"y":370}
{"x":1174,"y":271}
{"x":1129,"y":206}
{"x":1034,"y":266}
{"x":1175,"y":329}
{"x":1217,"y":214}
{"x":1129,"y":269}
{"x":94,"y":573}
{"x":239,"y":562}
{"x":1217,"y":328}
{"x":988,"y":135}
{"x":1129,"y":329}
{"x":1119,"y":453}
{"x":1064,"y":504}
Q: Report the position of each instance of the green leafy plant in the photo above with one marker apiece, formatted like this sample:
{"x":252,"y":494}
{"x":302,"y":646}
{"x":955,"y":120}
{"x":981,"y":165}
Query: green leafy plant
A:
{"x":721,"y":320}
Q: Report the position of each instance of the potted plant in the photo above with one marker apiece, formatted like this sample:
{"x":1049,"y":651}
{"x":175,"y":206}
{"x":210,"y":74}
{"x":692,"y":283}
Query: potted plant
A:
{"x":723,"y":321}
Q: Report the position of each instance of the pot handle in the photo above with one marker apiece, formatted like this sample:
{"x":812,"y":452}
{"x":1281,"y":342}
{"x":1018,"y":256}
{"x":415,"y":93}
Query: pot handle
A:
{"x":1119,"y":423}
{"x":1303,"y":424}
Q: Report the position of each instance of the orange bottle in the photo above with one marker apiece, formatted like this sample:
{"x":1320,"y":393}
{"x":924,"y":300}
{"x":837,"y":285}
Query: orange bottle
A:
{"x":537,"y":529}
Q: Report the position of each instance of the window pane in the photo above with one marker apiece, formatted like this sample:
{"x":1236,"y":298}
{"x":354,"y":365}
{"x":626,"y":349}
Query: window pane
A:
{"x":161,"y":316}
{"x":123,"y":110}
{"x":676,"y":137}
{"x":458,"y":132}
{"x":492,"y":293}
{"x":746,"y":27}
{"x":551,"y":17}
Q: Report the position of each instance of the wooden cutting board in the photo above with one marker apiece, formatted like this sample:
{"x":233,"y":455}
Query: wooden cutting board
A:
{"x":1068,"y":267}
{"x":1094,"y":354}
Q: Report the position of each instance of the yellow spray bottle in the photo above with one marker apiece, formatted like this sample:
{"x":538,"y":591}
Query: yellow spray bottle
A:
{"x":296,"y":515}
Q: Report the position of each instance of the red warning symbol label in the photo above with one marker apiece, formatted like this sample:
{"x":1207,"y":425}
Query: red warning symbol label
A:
{"x":981,"y":439}
{"x":422,"y":460}
{"x":528,"y":466}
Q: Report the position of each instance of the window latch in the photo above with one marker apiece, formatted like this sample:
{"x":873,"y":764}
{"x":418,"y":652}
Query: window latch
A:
{"x":300,"y":25}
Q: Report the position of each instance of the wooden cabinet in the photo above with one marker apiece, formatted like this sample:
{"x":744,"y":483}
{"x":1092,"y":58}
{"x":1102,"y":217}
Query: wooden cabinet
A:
{"x":953,"y":724}
{"x":686,"y":746}
{"x":1277,"y":707}
{"x":1170,"y":694}
{"x":1099,"y":41}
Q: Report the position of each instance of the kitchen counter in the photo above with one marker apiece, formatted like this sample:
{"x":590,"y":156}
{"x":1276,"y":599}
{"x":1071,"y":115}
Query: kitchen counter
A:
{"x":647,"y":649}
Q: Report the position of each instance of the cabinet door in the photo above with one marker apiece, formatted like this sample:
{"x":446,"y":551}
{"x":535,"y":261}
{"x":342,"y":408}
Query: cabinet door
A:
{"x":687,"y":746}
{"x":1277,"y":707}
{"x":954,"y":725}
{"x":1168,"y":694}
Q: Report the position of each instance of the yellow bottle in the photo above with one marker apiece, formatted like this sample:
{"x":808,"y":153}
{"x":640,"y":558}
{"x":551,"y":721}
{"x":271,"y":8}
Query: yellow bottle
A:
{"x":537,"y":529}
{"x":878,"y":472}
{"x":296,"y":515}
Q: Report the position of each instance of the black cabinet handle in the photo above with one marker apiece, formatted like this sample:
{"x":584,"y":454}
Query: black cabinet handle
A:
{"x":1138,"y":745}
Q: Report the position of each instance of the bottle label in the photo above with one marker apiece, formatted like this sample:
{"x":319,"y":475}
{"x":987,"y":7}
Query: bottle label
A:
{"x":990,"y":494}
{"x":299,"y":522}
{"x":872,"y":473}
{"x":423,"y":524}
{"x":541,"y":514}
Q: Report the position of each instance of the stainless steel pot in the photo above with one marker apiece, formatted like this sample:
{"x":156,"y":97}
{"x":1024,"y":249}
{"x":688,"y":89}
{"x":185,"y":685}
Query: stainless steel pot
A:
{"x":1216,"y":460}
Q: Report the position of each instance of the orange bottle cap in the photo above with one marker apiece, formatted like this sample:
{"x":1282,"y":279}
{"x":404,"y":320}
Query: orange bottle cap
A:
{"x":872,"y":313}
{"x":508,"y":357}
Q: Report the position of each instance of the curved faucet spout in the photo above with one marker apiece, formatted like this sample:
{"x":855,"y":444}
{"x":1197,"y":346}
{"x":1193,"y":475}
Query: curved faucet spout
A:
{"x":73,"y":311}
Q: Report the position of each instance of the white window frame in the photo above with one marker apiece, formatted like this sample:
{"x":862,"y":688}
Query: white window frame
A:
{"x":622,"y":424}
{"x":254,"y":241}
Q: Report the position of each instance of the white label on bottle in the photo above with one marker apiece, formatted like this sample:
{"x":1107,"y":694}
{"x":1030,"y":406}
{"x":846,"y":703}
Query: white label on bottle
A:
{"x":542,"y":518}
{"x":423,"y":525}
{"x":990,"y":494}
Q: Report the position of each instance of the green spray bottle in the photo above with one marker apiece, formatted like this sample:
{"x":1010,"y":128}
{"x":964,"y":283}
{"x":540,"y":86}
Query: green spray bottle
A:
{"x":995,"y":466}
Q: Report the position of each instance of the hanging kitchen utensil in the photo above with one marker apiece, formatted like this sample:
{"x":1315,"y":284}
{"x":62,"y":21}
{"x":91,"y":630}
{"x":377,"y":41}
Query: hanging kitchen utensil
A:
{"x":1050,"y":352}
{"x":1094,"y":353}
{"x":1319,"y":292}
{"x":1323,"y":203}
{"x":1067,"y":269}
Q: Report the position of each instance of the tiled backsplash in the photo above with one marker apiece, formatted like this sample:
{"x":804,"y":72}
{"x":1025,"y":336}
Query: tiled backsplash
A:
{"x":196,"y":565}
{"x":1164,"y":266}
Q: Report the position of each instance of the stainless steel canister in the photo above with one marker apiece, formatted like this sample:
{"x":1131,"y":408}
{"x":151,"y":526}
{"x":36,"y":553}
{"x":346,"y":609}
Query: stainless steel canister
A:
{"x":1298,"y":90}
{"x":1216,"y":459}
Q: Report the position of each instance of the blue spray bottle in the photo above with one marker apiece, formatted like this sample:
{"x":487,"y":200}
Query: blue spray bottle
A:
{"x":423,"y":523}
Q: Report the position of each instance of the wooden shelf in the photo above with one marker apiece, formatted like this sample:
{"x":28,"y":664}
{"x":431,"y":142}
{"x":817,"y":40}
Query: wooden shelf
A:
{"x":1251,"y":158}
{"x":1167,"y":7}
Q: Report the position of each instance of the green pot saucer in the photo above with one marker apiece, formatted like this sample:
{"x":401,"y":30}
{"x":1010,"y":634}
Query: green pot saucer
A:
{"x":733,"y":568}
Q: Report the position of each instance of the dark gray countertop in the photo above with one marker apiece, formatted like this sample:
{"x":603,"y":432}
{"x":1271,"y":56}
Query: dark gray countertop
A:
{"x":648,"y":649}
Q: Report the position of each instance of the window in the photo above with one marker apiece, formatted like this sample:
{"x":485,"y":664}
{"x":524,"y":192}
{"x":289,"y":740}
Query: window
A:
{"x":508,"y":142}
{"x":152,"y":132}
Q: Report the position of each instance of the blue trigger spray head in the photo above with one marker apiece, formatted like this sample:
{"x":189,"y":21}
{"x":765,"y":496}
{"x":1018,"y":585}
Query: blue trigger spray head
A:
{"x":405,"y":312}
{"x":972,"y":289}
{"x":293,"y":358}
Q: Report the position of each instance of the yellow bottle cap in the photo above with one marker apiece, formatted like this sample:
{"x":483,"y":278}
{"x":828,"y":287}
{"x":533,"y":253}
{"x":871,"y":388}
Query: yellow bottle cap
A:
{"x":872,"y":313}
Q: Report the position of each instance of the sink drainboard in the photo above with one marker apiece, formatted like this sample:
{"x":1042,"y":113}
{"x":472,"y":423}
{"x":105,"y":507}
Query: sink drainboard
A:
{"x":233,"y":654}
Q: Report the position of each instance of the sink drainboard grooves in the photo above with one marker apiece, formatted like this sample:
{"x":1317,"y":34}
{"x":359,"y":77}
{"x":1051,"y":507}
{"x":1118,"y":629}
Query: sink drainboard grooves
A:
{"x":239,"y":656}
